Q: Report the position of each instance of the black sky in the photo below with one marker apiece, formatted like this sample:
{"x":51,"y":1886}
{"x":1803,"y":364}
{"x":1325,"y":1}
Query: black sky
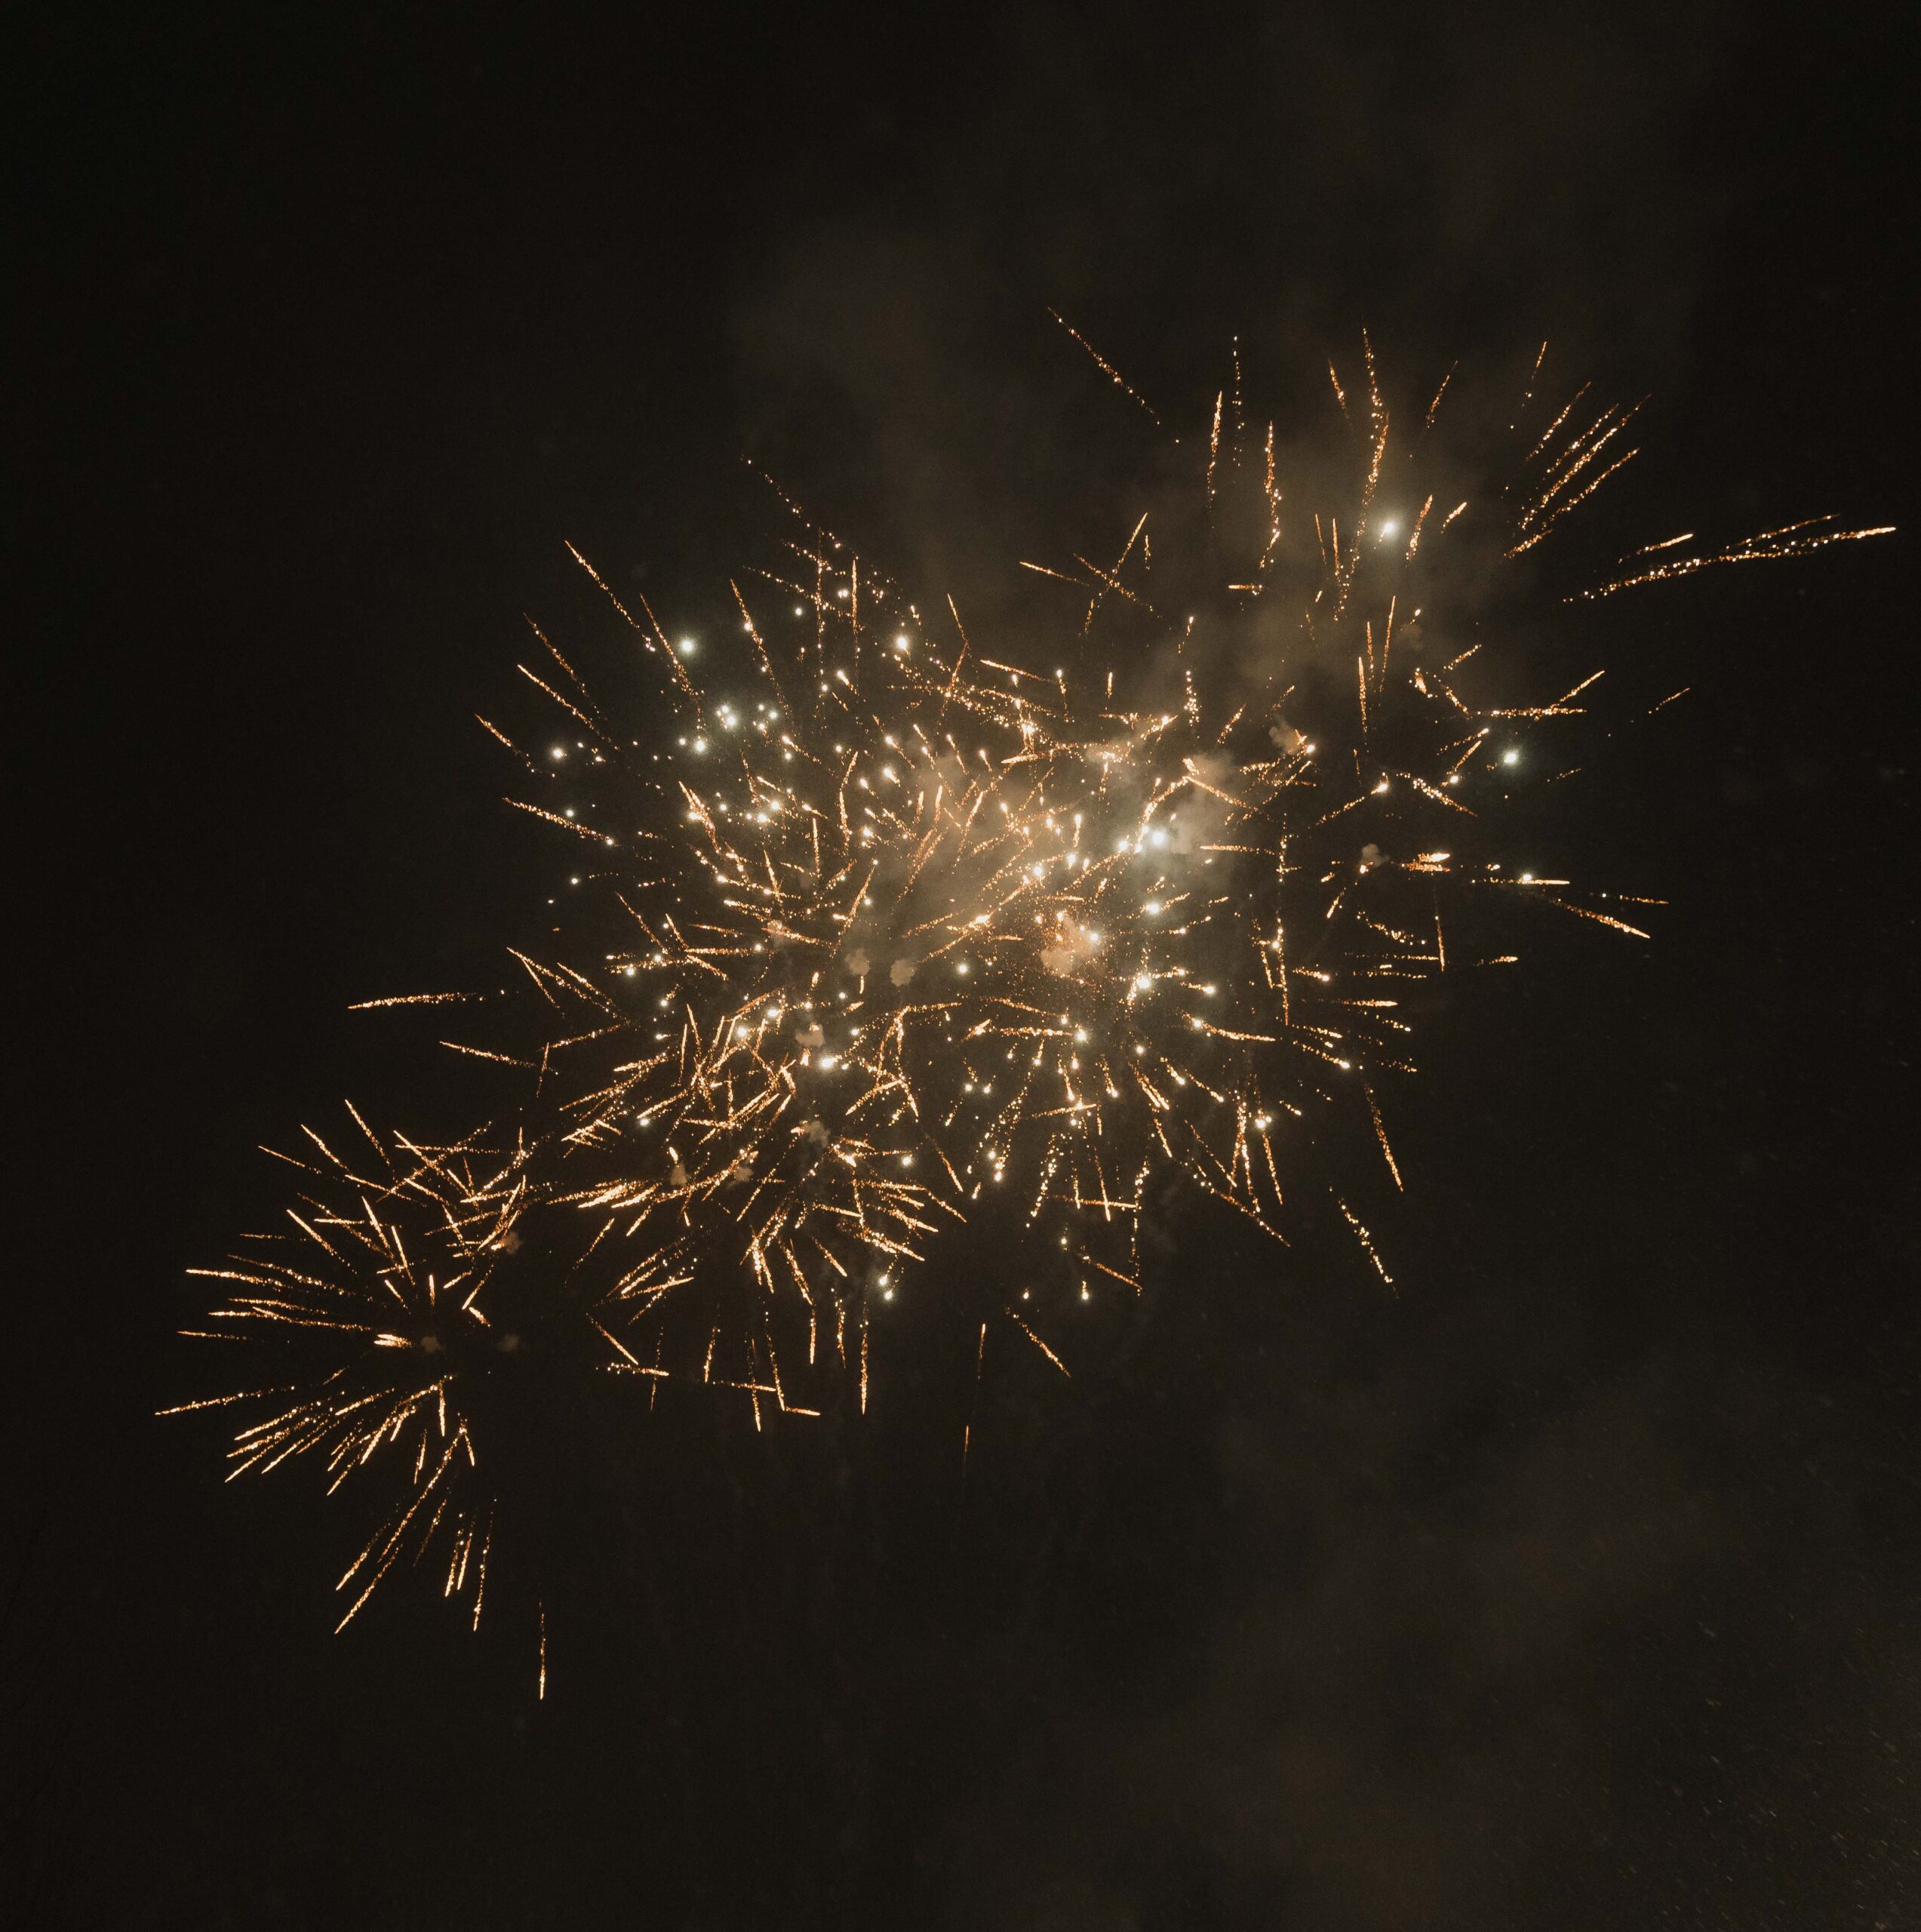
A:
{"x":1576,"y":1588}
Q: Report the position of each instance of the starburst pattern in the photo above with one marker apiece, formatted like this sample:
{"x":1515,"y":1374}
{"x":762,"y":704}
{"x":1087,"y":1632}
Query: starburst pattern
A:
{"x":895,"y":929}
{"x":376,"y":1299}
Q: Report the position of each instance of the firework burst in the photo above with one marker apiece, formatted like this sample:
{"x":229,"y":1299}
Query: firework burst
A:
{"x":374,"y":1306}
{"x":896,"y":929}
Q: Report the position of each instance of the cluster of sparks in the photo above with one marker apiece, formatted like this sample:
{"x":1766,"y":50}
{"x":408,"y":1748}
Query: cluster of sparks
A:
{"x":386,"y":1268}
{"x":894,"y":933}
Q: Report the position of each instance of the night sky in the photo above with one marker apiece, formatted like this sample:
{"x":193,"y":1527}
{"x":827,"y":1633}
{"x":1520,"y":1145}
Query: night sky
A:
{"x":1576,"y":1587}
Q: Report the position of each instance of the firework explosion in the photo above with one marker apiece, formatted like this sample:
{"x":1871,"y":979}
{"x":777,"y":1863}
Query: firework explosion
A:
{"x":894,"y":933}
{"x":377,"y":1293}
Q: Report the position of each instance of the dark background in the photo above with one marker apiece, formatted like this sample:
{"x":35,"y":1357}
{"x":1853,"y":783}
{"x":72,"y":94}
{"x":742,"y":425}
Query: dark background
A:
{"x":1576,"y":1587}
